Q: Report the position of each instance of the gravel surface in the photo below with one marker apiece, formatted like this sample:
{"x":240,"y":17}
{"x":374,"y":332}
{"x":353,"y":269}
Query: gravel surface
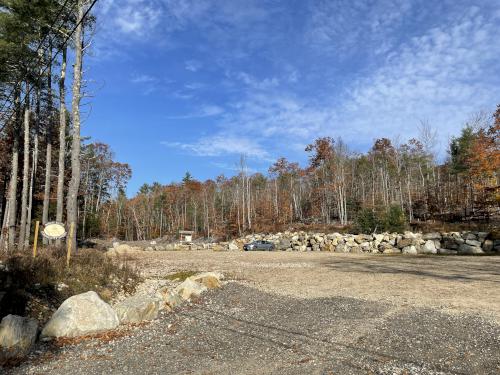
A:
{"x":293,"y":314}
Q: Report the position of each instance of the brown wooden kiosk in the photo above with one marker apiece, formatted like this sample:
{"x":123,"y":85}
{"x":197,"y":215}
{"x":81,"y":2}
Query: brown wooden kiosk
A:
{"x":186,"y":235}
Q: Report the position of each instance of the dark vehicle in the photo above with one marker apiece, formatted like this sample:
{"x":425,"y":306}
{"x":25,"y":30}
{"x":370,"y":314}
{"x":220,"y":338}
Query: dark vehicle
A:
{"x":259,"y":245}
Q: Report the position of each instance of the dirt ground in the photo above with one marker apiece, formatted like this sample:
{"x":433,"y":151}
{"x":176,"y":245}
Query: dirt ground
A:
{"x":307,"y":313}
{"x":451,"y":283}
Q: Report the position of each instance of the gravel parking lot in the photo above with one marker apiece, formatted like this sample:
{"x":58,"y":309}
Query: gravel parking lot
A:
{"x":319,"y":313}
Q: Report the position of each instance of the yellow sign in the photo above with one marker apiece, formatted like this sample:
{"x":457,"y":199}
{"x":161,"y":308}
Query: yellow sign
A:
{"x":54,"y":231}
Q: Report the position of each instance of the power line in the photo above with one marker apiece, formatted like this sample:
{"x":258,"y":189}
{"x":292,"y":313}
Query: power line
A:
{"x":68,"y":36}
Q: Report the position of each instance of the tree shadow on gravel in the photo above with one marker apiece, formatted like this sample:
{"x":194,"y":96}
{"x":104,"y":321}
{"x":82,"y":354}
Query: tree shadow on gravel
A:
{"x":436,"y":267}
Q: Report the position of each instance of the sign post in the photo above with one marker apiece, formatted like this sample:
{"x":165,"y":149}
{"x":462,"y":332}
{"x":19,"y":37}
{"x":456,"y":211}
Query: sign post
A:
{"x":69,"y":240}
{"x":35,"y":240}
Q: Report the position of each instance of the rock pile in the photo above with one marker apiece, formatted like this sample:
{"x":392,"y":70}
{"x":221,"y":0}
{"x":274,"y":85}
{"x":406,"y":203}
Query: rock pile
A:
{"x":87,"y":313}
{"x":388,"y":243}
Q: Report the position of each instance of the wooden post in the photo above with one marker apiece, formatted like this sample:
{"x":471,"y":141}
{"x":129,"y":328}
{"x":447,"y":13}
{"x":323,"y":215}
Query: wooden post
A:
{"x":69,"y":239}
{"x":35,"y":239}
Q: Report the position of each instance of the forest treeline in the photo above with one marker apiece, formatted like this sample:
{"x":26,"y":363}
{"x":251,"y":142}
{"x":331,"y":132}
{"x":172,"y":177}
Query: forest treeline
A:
{"x":49,"y":173}
{"x":389,"y":186}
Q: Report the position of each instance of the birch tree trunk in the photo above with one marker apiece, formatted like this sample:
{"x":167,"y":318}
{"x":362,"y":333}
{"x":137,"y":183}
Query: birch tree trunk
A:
{"x":12,"y":200}
{"x":62,"y":138}
{"x":48,"y":157}
{"x":26,"y":169}
{"x":74,"y":184}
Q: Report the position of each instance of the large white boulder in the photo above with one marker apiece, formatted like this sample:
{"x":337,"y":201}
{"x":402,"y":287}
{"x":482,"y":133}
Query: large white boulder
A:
{"x":138,"y":308}
{"x":428,"y":247}
{"x":80,"y":315}
{"x":412,"y":250}
{"x":17,"y":336}
{"x":189,"y":289}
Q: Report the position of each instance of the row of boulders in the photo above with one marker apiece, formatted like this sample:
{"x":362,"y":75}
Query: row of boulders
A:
{"x":123,"y":249}
{"x":87,"y":313}
{"x":407,"y":243}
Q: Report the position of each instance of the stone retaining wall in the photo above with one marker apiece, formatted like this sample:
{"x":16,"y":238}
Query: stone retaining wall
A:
{"x":387,"y":243}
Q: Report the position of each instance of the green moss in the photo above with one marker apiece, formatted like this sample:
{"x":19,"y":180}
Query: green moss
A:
{"x":181,"y":275}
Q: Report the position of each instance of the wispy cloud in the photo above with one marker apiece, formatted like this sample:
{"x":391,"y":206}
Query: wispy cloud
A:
{"x":137,"y":17}
{"x":193,"y":65}
{"x":143,"y":78}
{"x":204,"y":111}
{"x":221,"y":145}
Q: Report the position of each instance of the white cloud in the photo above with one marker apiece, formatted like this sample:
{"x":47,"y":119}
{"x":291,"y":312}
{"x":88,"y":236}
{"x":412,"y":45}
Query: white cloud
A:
{"x":443,"y":75}
{"x":194,"y":86}
{"x":137,"y":18}
{"x":204,"y":111}
{"x":345,"y":25}
{"x":222,"y":144}
{"x":143,"y":78}
{"x":193,"y":65}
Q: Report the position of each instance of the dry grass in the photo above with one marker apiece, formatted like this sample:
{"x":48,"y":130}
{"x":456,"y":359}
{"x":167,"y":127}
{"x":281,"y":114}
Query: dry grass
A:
{"x":34,"y":286}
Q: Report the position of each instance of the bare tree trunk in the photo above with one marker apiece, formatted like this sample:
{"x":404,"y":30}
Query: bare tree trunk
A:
{"x":26,"y":169}
{"x":62,"y":138}
{"x":48,"y":158}
{"x":74,"y":184}
{"x":12,"y":200}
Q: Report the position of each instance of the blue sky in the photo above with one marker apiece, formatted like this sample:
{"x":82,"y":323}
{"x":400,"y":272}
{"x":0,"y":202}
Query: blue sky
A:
{"x":190,"y":85}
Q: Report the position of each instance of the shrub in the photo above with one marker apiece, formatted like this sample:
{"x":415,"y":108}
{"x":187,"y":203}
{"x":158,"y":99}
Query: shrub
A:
{"x":33,"y":286}
{"x":395,"y":220}
{"x":370,"y":220}
{"x":366,"y":221}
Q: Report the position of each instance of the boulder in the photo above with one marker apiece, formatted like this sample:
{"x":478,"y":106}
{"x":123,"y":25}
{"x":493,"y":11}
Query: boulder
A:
{"x":488,"y":245}
{"x":209,"y":279}
{"x":469,"y":249}
{"x":431,"y":236}
{"x":405,"y":242}
{"x":80,"y":315}
{"x":190,"y":288}
{"x":232,"y":246}
{"x":170,"y":298}
{"x":122,"y":250}
{"x":412,"y":250}
{"x":284,"y":244}
{"x":138,"y":308}
{"x":428,"y":248}
{"x":17,"y":336}
{"x":342,"y":248}
{"x":470,"y":236}
{"x":473,"y":243}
